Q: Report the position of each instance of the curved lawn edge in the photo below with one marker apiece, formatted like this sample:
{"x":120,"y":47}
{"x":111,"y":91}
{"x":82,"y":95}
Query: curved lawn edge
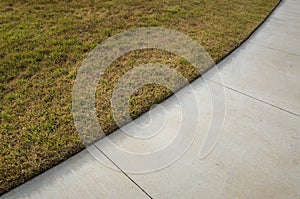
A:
{"x":251,"y":33}
{"x":78,"y":150}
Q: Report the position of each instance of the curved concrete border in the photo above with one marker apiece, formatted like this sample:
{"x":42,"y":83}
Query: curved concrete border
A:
{"x":258,"y":153}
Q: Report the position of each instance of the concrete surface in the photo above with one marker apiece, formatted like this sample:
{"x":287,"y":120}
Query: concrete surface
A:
{"x":266,"y":66}
{"x":79,"y":177}
{"x":257,"y":154}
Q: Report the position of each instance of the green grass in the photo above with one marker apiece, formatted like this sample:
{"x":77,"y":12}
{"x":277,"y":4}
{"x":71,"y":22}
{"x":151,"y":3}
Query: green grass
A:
{"x":43,"y":43}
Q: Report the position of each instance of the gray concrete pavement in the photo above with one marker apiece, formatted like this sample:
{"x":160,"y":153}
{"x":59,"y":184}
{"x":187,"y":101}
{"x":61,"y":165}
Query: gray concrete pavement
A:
{"x":266,"y":67}
{"x":79,"y":177}
{"x":257,"y":154}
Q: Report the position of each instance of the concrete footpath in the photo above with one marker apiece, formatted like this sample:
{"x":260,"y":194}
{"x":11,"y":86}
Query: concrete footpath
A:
{"x":257,"y":154}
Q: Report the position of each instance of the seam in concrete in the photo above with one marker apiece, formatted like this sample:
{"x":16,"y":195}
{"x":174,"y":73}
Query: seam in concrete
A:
{"x":124,"y":173}
{"x":268,"y":47}
{"x":252,"y":97}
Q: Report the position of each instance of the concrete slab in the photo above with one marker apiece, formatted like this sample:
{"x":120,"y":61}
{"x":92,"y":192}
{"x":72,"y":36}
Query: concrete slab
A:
{"x":257,"y":155}
{"x":288,"y":7}
{"x":276,"y":22}
{"x":267,"y":66}
{"x":281,"y":30}
{"x":79,"y":177}
{"x":263,"y":73}
{"x":281,"y":42}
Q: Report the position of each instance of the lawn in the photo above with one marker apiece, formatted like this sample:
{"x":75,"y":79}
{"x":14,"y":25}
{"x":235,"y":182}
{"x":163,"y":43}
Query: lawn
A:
{"x":43,"y":43}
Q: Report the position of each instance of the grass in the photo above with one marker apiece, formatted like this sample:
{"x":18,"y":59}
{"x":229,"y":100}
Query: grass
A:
{"x":42,"y":44}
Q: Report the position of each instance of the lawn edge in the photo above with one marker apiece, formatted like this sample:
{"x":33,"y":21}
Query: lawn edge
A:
{"x":217,"y":62}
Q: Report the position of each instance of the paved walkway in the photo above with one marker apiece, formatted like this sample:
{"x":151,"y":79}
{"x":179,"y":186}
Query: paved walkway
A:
{"x":258,"y":152}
